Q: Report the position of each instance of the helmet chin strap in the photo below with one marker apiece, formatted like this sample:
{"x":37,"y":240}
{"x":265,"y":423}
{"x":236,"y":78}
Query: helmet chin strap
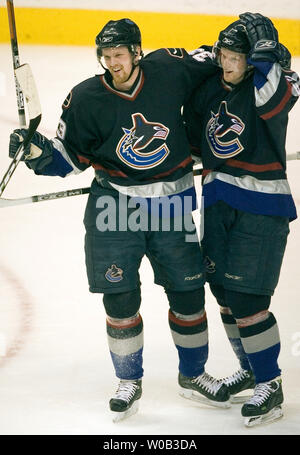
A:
{"x":134,"y":66}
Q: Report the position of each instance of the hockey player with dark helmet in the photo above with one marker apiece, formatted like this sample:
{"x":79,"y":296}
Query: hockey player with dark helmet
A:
{"x":237,"y":38}
{"x":127,"y":124}
{"x":233,"y":46}
{"x":117,"y":33}
{"x":237,"y":122}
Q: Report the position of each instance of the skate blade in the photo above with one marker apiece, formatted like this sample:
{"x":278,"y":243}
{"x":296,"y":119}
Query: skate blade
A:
{"x":119,"y":416}
{"x":238,"y":399}
{"x":275,"y":414}
{"x":195,"y":396}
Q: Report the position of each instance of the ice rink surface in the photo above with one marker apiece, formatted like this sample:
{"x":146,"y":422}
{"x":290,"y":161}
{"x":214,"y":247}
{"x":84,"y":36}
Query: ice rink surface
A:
{"x":56,"y":375}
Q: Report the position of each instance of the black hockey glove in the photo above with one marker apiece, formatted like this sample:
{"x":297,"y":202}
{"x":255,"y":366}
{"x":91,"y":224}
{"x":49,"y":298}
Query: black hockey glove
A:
{"x":285,"y":57}
{"x":262,"y":36}
{"x":38,"y":153}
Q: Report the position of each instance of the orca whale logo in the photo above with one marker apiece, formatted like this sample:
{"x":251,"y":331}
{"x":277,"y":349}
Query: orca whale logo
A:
{"x":134,"y":148}
{"x":221,"y":126}
{"x":114,"y":274}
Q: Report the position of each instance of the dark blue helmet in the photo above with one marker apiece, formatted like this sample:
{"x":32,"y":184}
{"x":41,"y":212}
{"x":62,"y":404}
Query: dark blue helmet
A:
{"x":234,"y":37}
{"x":123,"y":32}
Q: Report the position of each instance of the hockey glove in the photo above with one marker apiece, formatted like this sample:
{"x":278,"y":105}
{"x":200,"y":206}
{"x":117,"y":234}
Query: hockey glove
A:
{"x":285,"y":57}
{"x":262,"y":36}
{"x":38,"y":153}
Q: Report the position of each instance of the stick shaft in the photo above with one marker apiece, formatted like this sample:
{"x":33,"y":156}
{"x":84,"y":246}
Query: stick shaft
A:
{"x":43,"y":197}
{"x":16,"y":60}
{"x":79,"y":191}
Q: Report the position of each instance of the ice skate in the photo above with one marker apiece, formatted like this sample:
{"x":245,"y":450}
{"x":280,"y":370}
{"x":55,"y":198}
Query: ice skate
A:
{"x":238,"y":382}
{"x":205,"y":389}
{"x":265,"y":405}
{"x":125,"y":403}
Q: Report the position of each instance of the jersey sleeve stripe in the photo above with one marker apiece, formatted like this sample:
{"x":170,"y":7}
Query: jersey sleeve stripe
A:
{"x":281,"y":105}
{"x":265,"y":91}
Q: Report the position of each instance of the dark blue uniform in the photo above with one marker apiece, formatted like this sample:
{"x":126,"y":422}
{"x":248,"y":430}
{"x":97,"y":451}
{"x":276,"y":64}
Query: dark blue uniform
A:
{"x":240,"y":131}
{"x":137,"y":144}
{"x":141,"y":200}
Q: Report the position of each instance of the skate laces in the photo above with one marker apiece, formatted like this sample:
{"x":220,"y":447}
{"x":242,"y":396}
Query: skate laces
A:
{"x":261,"y":393}
{"x":208,"y":383}
{"x":126,"y":390}
{"x":235,"y":378}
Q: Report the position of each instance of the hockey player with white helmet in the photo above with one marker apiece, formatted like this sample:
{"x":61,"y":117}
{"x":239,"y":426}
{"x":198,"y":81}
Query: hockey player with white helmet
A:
{"x":238,"y":120}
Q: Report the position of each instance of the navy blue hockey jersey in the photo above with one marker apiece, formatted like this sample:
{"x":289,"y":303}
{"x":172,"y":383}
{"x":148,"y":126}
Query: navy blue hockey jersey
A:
{"x":135,"y":141}
{"x":240,"y":133}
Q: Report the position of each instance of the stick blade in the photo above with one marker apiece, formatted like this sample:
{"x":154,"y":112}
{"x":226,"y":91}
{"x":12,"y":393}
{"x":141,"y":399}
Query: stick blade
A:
{"x":26,"y":81}
{"x":13,"y":202}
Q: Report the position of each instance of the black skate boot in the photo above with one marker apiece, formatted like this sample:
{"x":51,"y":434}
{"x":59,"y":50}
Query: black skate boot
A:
{"x":125,"y":403}
{"x":206,"y":389}
{"x":264,"y":406}
{"x":238,"y":382}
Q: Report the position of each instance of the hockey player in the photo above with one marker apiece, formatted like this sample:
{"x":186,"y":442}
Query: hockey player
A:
{"x":237,"y":121}
{"x":127,"y":125}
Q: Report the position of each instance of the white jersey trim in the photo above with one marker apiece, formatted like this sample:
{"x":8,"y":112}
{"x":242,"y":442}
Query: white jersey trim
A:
{"x":248,"y":182}
{"x":157,"y":189}
{"x":264,"y":94}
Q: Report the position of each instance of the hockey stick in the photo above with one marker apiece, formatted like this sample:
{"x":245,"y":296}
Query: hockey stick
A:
{"x":293,"y":156}
{"x":24,"y":86}
{"x":43,"y":197}
{"x":78,"y":191}
{"x":26,"y":81}
{"x":16,"y":60}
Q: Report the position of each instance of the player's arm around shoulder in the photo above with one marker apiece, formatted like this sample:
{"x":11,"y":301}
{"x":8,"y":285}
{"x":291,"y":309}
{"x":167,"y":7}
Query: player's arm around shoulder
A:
{"x":198,"y":64}
{"x":276,"y":86}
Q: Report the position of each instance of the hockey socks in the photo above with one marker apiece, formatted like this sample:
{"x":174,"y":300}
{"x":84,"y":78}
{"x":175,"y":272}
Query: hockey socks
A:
{"x":125,"y":340}
{"x":234,"y":337}
{"x":261,"y":342}
{"x":190,"y":336}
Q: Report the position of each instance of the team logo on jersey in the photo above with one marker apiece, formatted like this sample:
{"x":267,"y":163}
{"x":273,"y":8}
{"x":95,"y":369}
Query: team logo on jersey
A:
{"x":114,"y":274}
{"x":221,"y":133}
{"x":137,"y":147}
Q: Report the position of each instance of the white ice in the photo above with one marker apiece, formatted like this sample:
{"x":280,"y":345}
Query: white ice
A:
{"x":56,"y":375}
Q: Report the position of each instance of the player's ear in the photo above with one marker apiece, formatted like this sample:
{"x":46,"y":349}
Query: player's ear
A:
{"x":137,"y":53}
